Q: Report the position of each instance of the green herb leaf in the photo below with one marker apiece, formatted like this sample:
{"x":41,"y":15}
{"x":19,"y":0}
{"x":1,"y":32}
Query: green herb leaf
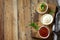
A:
{"x":51,"y":12}
{"x":34,"y":26}
{"x":44,"y":0}
{"x":42,"y":6}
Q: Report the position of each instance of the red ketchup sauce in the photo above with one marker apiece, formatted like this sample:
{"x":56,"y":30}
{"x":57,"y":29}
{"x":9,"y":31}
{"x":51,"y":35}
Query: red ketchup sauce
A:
{"x":43,"y":32}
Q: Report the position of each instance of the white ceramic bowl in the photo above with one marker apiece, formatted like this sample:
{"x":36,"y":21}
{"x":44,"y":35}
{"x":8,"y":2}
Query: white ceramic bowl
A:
{"x":38,"y":6}
{"x":47,"y":35}
{"x":46,"y":19}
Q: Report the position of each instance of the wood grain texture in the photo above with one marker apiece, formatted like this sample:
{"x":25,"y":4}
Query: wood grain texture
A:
{"x":1,"y":20}
{"x":24,"y":19}
{"x":8,"y":11}
{"x":52,"y":2}
{"x":22,"y":34}
{"x":15,"y":20}
{"x":10,"y":20}
{"x":27,"y":16}
{"x":34,"y":16}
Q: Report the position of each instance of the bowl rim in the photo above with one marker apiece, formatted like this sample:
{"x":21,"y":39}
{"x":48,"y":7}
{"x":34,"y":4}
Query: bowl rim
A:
{"x":49,"y":22}
{"x":48,"y":32}
{"x":38,"y":7}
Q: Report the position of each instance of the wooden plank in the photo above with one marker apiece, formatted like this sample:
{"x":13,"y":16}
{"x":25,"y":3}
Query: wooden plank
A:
{"x":27,"y":19}
{"x":10,"y":20}
{"x":52,"y":2}
{"x":15,"y":20}
{"x":1,"y":20}
{"x":8,"y":11}
{"x":33,"y":8}
{"x":22,"y":34}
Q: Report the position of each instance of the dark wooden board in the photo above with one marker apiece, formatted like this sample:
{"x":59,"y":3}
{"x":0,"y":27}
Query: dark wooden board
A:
{"x":35,"y":2}
{"x":37,"y":18}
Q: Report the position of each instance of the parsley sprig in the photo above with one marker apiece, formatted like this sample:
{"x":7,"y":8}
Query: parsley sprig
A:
{"x":34,"y":25}
{"x":42,"y":6}
{"x":51,"y":12}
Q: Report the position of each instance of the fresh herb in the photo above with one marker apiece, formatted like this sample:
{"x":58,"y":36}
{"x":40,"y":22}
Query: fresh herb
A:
{"x":42,"y":6}
{"x":51,"y":12}
{"x":44,"y":0}
{"x":34,"y":25}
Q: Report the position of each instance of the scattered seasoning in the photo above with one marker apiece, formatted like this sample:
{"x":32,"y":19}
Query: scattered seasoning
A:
{"x":43,"y":32}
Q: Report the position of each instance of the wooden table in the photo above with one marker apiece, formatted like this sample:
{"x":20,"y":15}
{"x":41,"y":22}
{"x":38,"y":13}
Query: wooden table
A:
{"x":26,"y":16}
{"x":15,"y":17}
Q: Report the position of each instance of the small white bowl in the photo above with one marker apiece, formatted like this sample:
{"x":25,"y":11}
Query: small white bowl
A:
{"x":47,"y":35}
{"x":46,"y":19}
{"x":38,"y":6}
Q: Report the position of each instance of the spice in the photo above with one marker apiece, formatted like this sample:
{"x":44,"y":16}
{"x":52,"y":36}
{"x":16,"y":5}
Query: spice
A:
{"x":43,"y":32}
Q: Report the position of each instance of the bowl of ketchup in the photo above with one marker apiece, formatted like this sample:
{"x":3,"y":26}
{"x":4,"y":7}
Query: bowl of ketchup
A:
{"x":44,"y":32}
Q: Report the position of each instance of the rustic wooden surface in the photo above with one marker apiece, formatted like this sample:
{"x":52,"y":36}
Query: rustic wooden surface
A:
{"x":15,"y":17}
{"x":26,"y":14}
{"x":24,"y":19}
{"x":10,"y":20}
{"x":1,"y":20}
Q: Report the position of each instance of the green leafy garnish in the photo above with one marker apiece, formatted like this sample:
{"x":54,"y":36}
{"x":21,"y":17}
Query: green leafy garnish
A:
{"x":34,"y":25}
{"x":44,"y":0}
{"x":51,"y":12}
{"x":42,"y":6}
